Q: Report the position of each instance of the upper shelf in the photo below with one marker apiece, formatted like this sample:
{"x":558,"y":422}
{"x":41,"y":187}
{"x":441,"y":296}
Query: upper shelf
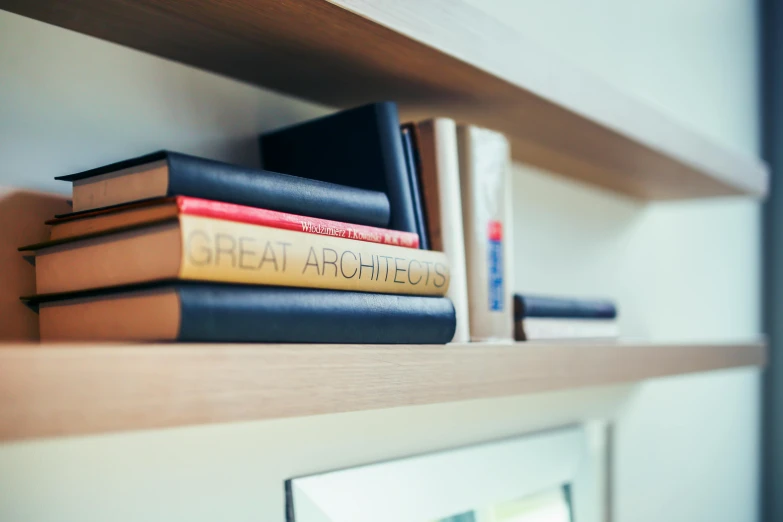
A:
{"x":55,"y":390}
{"x":435,"y":57}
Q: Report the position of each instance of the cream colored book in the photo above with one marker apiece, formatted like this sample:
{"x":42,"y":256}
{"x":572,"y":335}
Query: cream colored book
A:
{"x":207,"y":249}
{"x":440,"y":183}
{"x":552,"y":329}
{"x":486,"y":203}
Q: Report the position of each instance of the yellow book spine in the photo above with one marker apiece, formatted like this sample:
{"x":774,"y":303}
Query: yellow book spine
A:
{"x":217,"y":250}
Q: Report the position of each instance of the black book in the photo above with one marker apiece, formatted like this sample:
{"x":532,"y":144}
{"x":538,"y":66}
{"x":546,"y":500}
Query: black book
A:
{"x":166,"y":174}
{"x":526,"y":306}
{"x":410,"y":148}
{"x":359,"y":147}
{"x":204,"y":312}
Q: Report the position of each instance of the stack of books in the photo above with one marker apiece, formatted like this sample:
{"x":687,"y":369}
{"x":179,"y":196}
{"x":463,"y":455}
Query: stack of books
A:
{"x":356,"y":229}
{"x":447,"y":183}
{"x":170,"y":247}
{"x":538,"y":318}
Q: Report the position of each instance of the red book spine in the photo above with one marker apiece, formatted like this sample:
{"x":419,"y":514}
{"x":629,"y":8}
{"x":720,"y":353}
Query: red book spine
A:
{"x":311,"y":225}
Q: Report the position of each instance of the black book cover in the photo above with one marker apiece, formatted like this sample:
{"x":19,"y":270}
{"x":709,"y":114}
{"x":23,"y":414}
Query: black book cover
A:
{"x":412,"y":163}
{"x":564,"y":308}
{"x":241,"y":313}
{"x":359,"y":147}
{"x":208,"y":179}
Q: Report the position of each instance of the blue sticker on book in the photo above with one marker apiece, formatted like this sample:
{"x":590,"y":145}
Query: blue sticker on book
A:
{"x":495,"y":252}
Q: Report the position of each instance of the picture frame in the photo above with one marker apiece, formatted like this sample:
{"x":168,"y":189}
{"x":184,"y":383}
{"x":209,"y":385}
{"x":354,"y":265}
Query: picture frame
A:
{"x":465,"y":484}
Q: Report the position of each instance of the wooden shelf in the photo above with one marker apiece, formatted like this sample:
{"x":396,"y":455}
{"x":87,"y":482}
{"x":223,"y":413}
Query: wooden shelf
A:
{"x":439,"y":57}
{"x":57,"y":390}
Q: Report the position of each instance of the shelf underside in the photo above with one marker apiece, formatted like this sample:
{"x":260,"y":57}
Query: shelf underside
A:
{"x":436,"y":58}
{"x":58,"y":390}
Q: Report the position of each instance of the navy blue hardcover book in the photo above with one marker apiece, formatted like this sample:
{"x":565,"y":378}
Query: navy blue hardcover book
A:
{"x":204,"y":312}
{"x":166,"y":174}
{"x":564,"y":308}
{"x":412,"y":163}
{"x":360,"y":147}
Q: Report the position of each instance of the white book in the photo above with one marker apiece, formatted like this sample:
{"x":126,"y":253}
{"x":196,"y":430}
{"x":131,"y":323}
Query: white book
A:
{"x":485,"y":177}
{"x":440,"y":183}
{"x":550,"y":328}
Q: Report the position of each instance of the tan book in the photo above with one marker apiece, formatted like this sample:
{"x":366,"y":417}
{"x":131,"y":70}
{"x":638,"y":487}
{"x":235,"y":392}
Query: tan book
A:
{"x":486,"y":204}
{"x":103,"y":220}
{"x":439,"y":163}
{"x":208,"y":249}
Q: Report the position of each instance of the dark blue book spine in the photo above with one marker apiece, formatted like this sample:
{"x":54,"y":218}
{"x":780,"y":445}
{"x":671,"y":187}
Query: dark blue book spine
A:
{"x":555,"y":307}
{"x":236,"y":313}
{"x":411,"y":162}
{"x":202,"y":178}
{"x":360,"y":147}
{"x":403,"y":212}
{"x":207,"y":179}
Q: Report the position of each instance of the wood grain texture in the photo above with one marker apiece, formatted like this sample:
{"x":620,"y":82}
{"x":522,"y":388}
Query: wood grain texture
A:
{"x":58,"y":390}
{"x":436,"y":58}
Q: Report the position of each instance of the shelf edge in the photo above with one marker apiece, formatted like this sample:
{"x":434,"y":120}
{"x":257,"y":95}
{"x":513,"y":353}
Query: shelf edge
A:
{"x":69,"y":390}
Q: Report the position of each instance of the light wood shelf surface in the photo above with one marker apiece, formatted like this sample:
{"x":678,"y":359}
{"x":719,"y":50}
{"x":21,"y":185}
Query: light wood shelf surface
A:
{"x":435,"y":57}
{"x":60,"y":390}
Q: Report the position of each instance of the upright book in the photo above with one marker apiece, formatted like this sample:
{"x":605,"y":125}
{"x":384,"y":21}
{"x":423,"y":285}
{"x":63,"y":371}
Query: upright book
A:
{"x":165,"y":174}
{"x":440,"y":183}
{"x":206,"y":249}
{"x":486,"y":204}
{"x":202,"y":312}
{"x":413,"y":164}
{"x":360,"y":147}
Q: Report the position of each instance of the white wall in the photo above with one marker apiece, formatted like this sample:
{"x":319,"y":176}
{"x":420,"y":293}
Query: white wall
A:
{"x":686,"y":270}
{"x":69,"y":102}
{"x":686,"y":449}
{"x":695,"y":59}
{"x":235,"y":472}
